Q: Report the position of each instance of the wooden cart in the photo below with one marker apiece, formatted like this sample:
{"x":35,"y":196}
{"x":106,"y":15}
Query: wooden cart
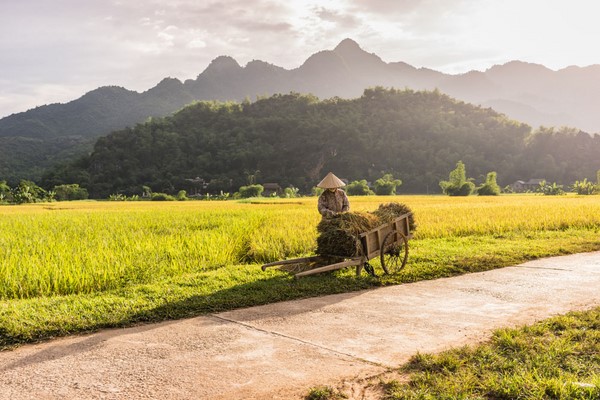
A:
{"x":389,"y":242}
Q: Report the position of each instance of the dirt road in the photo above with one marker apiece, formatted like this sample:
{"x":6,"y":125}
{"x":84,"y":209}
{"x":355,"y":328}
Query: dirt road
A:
{"x":280,"y":350}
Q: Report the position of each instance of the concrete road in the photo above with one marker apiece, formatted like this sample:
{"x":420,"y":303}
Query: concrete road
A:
{"x":281,"y":350}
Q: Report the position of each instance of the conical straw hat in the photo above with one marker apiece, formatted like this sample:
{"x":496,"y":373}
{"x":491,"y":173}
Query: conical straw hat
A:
{"x":331,"y":181}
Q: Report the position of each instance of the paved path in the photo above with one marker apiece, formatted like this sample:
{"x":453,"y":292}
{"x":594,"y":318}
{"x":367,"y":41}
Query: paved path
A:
{"x":280,"y":350}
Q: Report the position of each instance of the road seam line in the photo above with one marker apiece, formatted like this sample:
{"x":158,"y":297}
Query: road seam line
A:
{"x":303,"y":342}
{"x":553,"y":269}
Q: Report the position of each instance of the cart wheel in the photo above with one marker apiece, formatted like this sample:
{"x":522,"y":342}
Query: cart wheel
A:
{"x":393,"y":252}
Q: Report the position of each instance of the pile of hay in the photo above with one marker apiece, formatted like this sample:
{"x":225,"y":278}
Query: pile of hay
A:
{"x":390,"y":211}
{"x":338,"y":236}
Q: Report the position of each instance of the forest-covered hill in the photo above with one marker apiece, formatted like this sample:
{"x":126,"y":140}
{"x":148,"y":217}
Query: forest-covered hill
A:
{"x":33,"y":140}
{"x":295,"y":139}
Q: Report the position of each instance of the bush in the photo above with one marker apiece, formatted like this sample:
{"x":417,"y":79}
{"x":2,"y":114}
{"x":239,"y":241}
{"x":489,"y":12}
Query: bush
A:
{"x":359,"y":188}
{"x":465,"y":190}
{"x":508,"y":189}
{"x":122,"y":197}
{"x":584,"y":187}
{"x":146,"y":191}
{"x":182,"y":195}
{"x":251,"y":191}
{"x":70,"y":192}
{"x":162,"y":197}
{"x":221,"y":196}
{"x":28,"y":192}
{"x":290,"y":192}
{"x":490,"y":187}
{"x":316,"y":191}
{"x":458,"y":184}
{"x":117,"y":197}
{"x":551,"y":190}
{"x":386,"y":185}
{"x":5,"y":192}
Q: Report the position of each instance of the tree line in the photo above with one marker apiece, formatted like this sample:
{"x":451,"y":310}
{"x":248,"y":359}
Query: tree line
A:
{"x":294,"y":140}
{"x":457,"y":185}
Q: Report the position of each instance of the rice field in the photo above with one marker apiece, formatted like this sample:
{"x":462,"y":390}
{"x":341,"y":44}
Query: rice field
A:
{"x":88,"y":247}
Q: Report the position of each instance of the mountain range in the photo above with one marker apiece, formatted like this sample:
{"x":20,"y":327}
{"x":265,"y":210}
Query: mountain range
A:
{"x":35,"y":139}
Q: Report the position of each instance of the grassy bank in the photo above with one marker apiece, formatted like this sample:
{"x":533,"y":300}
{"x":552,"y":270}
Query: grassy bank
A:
{"x":558,"y":358}
{"x":73,"y":267}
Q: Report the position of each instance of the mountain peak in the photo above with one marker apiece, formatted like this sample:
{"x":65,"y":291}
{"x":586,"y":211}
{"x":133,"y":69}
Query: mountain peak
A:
{"x":347,"y":45}
{"x":223,"y":63}
{"x":169,"y":82}
{"x":357,"y":58}
{"x":517,"y":66}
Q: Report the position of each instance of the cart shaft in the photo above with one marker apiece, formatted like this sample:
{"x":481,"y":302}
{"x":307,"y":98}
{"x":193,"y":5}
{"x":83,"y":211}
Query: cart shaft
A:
{"x":291,"y":261}
{"x":331,"y":267}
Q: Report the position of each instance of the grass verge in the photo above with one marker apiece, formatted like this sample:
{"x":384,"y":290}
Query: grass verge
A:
{"x":558,"y":358}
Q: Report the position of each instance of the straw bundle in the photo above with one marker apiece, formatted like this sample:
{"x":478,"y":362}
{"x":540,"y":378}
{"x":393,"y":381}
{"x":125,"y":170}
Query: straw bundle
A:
{"x":338,"y":236}
{"x":390,"y":211}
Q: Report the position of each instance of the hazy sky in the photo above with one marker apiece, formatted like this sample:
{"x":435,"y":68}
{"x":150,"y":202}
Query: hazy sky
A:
{"x":57,"y":50}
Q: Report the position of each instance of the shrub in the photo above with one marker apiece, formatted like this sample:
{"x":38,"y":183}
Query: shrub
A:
{"x":221,"y":196}
{"x":162,"y":197}
{"x":584,"y":187}
{"x":122,"y":197}
{"x":316,"y":191}
{"x":551,"y":190}
{"x":5,"y":192}
{"x":508,"y":189}
{"x":251,"y":191}
{"x":146,"y":191}
{"x":70,"y":192}
{"x":490,"y":187}
{"x":182,"y":195}
{"x":290,"y":192}
{"x":465,"y":190}
{"x":386,"y":185}
{"x":28,"y":192}
{"x":358,"y":188}
{"x":458,"y":184}
{"x":117,"y":197}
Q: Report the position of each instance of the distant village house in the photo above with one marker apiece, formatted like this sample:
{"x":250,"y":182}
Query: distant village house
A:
{"x":526,"y":186}
{"x":270,"y":189}
{"x":197,"y":186}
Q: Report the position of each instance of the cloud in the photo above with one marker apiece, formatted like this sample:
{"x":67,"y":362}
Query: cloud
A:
{"x":387,"y":7}
{"x":136,"y":43}
{"x":68,"y":45}
{"x":340,"y":19}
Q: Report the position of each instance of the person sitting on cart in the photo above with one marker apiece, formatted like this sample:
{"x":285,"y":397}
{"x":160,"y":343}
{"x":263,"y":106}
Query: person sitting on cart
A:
{"x":333,"y":200}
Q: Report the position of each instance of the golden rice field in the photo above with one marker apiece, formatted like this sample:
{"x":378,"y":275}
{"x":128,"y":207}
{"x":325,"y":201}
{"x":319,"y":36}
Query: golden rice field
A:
{"x":86,"y":247}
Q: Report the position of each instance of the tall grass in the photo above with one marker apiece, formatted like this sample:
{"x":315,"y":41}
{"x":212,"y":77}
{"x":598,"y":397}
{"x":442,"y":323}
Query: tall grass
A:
{"x":67,"y":248}
{"x":87,"y":247}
